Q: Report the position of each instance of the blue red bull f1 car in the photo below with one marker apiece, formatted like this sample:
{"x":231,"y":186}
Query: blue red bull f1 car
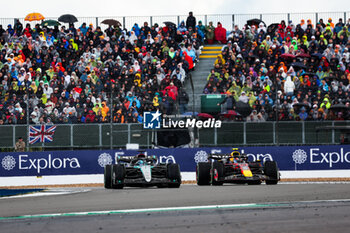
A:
{"x":235,"y":168}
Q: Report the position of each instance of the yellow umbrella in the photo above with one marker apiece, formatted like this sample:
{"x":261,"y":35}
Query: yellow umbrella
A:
{"x":34,"y":17}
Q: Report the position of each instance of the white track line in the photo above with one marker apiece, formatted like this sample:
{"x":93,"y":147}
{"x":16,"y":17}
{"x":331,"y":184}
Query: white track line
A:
{"x":181,"y":208}
{"x":47,"y":193}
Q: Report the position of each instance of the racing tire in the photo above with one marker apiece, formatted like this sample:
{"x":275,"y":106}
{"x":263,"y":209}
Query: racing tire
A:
{"x":203,"y":173}
{"x":217,"y":172}
{"x":271,"y":170}
{"x":108,"y":176}
{"x":174,"y":174}
{"x":118,"y":175}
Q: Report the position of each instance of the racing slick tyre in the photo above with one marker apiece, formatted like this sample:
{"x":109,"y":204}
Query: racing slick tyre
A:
{"x":203,"y":173}
{"x":118,"y":175}
{"x":271,"y":170}
{"x":108,"y":176}
{"x":216,"y":172}
{"x":174,"y":174}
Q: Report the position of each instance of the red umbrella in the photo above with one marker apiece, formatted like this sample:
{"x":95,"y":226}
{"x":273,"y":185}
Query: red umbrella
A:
{"x":287,"y":56}
{"x":303,"y":55}
{"x":230,"y":114}
{"x":205,"y":115}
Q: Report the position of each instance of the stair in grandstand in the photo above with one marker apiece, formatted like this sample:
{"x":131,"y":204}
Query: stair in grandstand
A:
{"x":199,"y":76}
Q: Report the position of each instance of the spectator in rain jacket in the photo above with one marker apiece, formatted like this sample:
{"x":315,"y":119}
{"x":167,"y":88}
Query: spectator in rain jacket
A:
{"x":182,"y":27}
{"x":210,"y":33}
{"x":220,"y":34}
{"x":83,"y":29}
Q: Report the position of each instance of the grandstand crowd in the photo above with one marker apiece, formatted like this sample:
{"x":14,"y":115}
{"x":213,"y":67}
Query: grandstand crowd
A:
{"x":299,"y":70}
{"x":86,"y":75}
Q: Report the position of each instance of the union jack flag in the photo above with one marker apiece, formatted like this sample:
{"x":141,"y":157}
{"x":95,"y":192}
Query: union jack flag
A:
{"x":41,"y":133}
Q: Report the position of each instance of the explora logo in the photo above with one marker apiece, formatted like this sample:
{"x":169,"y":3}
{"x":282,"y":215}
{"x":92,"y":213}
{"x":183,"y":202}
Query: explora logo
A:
{"x":329,"y":157}
{"x":167,"y":159}
{"x":26,"y":163}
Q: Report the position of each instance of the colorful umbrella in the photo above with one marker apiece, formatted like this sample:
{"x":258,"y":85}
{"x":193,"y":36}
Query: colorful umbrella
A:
{"x":34,"y":17}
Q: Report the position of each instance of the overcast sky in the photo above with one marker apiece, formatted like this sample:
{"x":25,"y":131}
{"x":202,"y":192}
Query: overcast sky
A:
{"x":19,"y":8}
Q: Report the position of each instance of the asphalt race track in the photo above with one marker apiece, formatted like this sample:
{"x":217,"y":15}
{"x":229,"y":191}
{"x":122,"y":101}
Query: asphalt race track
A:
{"x":320,"y":207}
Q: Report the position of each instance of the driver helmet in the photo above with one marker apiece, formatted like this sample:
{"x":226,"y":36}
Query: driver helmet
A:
{"x":235,"y":154}
{"x":141,"y":156}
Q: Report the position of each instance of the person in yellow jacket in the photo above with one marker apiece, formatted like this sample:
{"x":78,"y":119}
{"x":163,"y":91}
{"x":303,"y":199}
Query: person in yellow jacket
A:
{"x":328,"y":32}
{"x":325,"y":103}
{"x":96,"y":109}
{"x":345,"y":32}
{"x":220,"y":60}
{"x":155,"y":101}
{"x":137,"y":78}
{"x":74,"y":45}
{"x":42,"y":36}
{"x":104,"y":109}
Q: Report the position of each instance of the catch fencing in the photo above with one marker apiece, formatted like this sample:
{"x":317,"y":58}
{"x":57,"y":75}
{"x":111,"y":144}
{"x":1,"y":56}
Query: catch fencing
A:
{"x":114,"y":136}
{"x":228,"y":20}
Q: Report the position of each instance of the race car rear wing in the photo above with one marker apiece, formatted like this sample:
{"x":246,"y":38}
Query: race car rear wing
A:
{"x":218,"y":156}
{"x":129,"y":159}
{"x":225,"y":156}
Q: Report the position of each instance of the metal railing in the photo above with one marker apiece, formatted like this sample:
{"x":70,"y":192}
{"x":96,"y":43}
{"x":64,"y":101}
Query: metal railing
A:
{"x":228,"y":20}
{"x":99,"y":136}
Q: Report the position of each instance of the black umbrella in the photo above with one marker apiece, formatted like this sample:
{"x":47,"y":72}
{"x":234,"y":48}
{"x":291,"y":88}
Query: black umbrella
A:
{"x":339,"y":107}
{"x":170,"y":24}
{"x":300,"y":105}
{"x":318,"y":55}
{"x":255,"y":22}
{"x":298,"y":65}
{"x":273,"y":27}
{"x":243,"y":109}
{"x":67,"y":18}
{"x":112,"y":22}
